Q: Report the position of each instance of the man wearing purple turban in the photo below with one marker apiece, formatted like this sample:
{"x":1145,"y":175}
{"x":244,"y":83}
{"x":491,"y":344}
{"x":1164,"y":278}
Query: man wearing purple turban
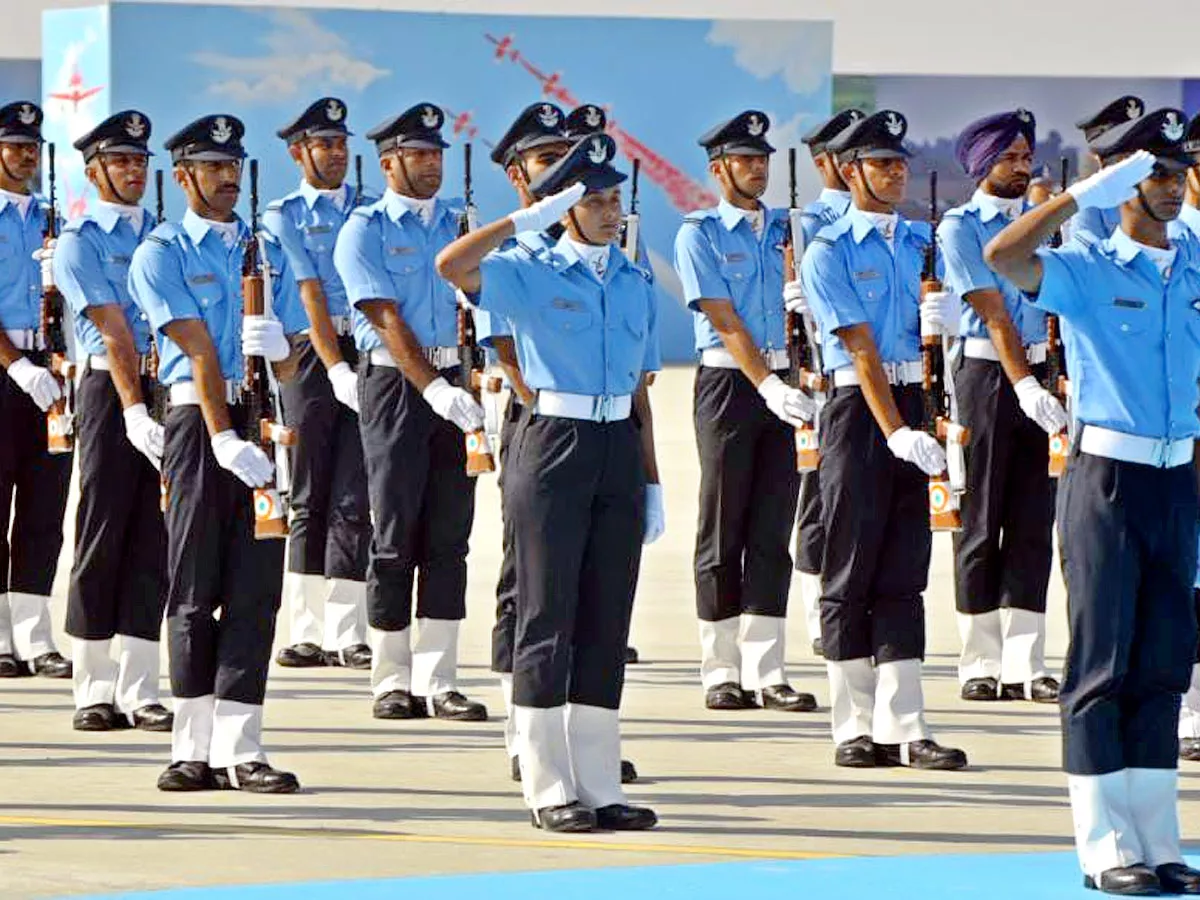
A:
{"x":1003,"y":554}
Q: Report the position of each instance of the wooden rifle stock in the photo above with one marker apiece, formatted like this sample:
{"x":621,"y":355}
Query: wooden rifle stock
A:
{"x":801,"y":373}
{"x":1056,"y":381}
{"x":60,"y":417}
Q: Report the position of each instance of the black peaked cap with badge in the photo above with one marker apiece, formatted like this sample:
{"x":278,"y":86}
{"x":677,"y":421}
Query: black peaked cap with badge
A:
{"x":208,"y":139}
{"x":324,"y":118}
{"x":537,"y":125}
{"x":1191,"y":140}
{"x":1120,"y":111}
{"x":743,"y":135}
{"x":21,"y":123}
{"x":417,"y":128}
{"x":124,"y":132}
{"x":586,"y":119}
{"x":1161,"y":132}
{"x":589,"y":161}
{"x":877,"y":136}
{"x":825,"y":131}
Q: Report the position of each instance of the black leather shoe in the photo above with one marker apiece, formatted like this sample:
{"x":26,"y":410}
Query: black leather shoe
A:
{"x":980,"y":689}
{"x":783,"y":698}
{"x":1189,"y":749}
{"x":619,"y":817}
{"x":454,"y":706}
{"x":924,"y":754}
{"x":1041,"y":690}
{"x":628,"y":772}
{"x":52,"y":665}
{"x":631,"y":656}
{"x":571,"y":817}
{"x":257,"y":778}
{"x":9,"y":667}
{"x":301,"y":656}
{"x":1137,"y":881}
{"x":356,"y":656}
{"x":399,"y":705}
{"x":818,"y":648}
{"x":153,"y":717}
{"x":1178,"y":878}
{"x":187,"y":776}
{"x":100,"y":717}
{"x":859,"y":753}
{"x":727,"y":695}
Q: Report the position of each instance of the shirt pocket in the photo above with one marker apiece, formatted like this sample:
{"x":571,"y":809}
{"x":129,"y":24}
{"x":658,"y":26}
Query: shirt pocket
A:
{"x":402,"y":262}
{"x":739,"y":271}
{"x":1126,"y":316}
{"x":567,"y":316}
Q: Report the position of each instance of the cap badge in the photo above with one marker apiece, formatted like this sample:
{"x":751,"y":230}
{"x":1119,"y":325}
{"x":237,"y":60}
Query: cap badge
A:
{"x":430,"y":118}
{"x":1172,"y":128}
{"x":27,"y":114}
{"x":547,"y":115}
{"x":1024,"y":116}
{"x":1133,"y":109}
{"x":854,"y":115}
{"x":598,"y":152}
{"x":593,"y":117}
{"x":754,"y":125}
{"x":334,"y":111}
{"x":894,"y":124}
{"x":135,"y":126}
{"x":221,"y":130}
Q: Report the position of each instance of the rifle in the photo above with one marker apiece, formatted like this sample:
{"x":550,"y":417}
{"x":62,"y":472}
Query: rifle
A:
{"x":158,"y":394}
{"x":631,"y":229}
{"x":358,"y":181}
{"x":940,"y":403}
{"x":264,"y":430}
{"x":60,"y":417}
{"x":1056,"y":381}
{"x":471,"y":358}
{"x":803,"y":355}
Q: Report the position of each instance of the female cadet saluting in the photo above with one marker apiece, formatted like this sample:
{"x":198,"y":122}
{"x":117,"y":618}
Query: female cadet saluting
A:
{"x":585,"y":327}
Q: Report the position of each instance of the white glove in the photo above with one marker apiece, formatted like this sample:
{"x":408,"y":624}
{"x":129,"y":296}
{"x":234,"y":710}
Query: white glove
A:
{"x":45,"y":256}
{"x":345,"y":384}
{"x":1040,"y":405}
{"x":242,"y":458}
{"x":454,"y":404}
{"x":941,"y":313}
{"x":546,"y":212}
{"x":37,"y":382}
{"x":144,"y":433}
{"x":791,"y":404}
{"x":794,"y":300}
{"x":264,"y":337}
{"x":656,"y":514}
{"x":918,"y":448}
{"x":1114,"y":184}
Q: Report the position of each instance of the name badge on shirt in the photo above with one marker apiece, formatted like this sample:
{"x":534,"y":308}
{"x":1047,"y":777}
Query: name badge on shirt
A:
{"x":119,"y":259}
{"x":865,"y":275}
{"x":318,"y":229}
{"x":735,"y":257}
{"x":204,"y":278}
{"x":1129,"y":303}
{"x":401,"y":251}
{"x":564,"y":303}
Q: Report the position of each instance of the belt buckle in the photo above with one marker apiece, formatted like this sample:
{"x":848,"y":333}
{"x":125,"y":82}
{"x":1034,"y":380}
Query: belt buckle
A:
{"x":1162,"y":449}
{"x":892,"y":372}
{"x":602,"y":407}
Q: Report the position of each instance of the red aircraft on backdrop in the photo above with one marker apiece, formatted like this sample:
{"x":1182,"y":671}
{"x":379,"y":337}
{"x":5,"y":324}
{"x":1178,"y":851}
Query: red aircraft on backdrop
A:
{"x":75,"y":93}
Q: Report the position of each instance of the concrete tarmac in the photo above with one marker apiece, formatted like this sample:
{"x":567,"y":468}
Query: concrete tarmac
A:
{"x":79,"y":812}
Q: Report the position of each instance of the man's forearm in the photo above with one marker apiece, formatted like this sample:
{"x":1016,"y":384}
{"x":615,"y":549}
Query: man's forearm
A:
{"x":645,"y":417}
{"x":506,"y":354}
{"x":123,"y":367}
{"x":400,"y":342}
{"x":321,"y":332}
{"x":210,"y":387}
{"x":736,"y":339}
{"x":9,"y":353}
{"x":871,"y":378}
{"x":1013,"y":252}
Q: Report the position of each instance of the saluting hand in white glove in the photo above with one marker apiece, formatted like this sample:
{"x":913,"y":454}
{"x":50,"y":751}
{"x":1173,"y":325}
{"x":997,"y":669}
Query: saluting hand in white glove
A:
{"x":544,"y":213}
{"x":1113,"y":185}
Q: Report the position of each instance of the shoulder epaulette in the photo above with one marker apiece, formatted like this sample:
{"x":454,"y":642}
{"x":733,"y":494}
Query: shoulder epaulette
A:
{"x":699,"y":215}
{"x":834,"y":230}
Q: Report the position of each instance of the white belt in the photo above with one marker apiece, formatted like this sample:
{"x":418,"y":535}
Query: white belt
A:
{"x":983,"y":348}
{"x":101,"y":364}
{"x":720,"y":358}
{"x":438,"y":357}
{"x":341,"y":325}
{"x":606,"y":408}
{"x":1158,"y":452}
{"x":897,"y":373}
{"x":185,"y":394}
{"x":26,"y":338}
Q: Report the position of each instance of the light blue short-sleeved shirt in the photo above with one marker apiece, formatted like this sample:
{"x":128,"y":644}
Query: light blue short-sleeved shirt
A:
{"x":962,"y":235}
{"x":20,"y":274}
{"x":385,"y":252}
{"x":572,"y":332}
{"x":851,"y":277}
{"x":718,"y":257}
{"x":91,"y":268}
{"x":1135,"y":351}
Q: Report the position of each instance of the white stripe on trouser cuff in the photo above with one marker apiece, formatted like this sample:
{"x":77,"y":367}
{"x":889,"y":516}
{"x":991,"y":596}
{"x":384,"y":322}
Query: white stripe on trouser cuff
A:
{"x":1189,"y":712}
{"x":345,"y":614}
{"x":6,"y":636}
{"x":1024,"y":647}
{"x":594,"y":742}
{"x":1154,"y":806}
{"x":237,"y":734}
{"x":191,"y":736}
{"x":137,"y":679}
{"x":435,"y":657}
{"x":32,"y":632}
{"x":982,"y":645}
{"x":510,"y":721}
{"x":720,"y":658}
{"x":810,"y":596}
{"x":763,"y":640}
{"x":851,"y":697}
{"x":1105,"y":837}
{"x":899,"y":704}
{"x":546,"y":778}
{"x":95,"y":672}
{"x":391,"y":661}
{"x":303,"y":596}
